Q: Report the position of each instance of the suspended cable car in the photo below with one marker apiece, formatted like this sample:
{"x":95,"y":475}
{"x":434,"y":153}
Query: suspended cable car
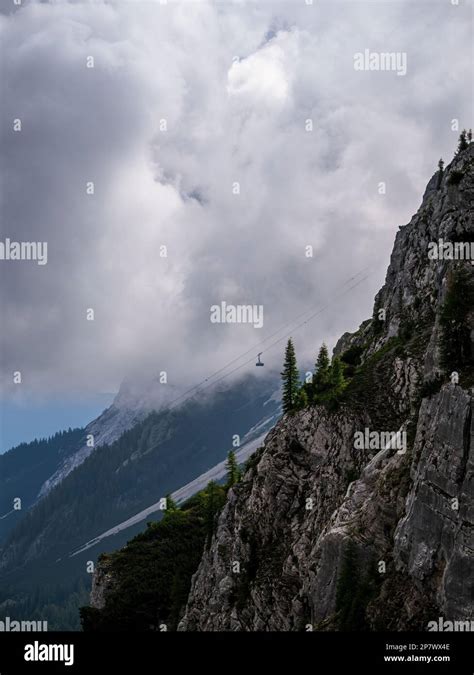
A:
{"x":259,"y":363}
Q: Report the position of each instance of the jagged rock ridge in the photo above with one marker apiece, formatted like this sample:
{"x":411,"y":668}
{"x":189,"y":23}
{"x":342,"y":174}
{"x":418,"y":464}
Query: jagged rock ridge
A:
{"x":314,"y":515}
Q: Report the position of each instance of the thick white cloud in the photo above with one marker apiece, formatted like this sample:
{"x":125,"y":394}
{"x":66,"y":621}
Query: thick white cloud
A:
{"x":263,"y":77}
{"x":235,"y":84}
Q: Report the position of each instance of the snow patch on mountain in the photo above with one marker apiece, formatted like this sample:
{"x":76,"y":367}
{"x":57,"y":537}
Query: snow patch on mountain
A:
{"x":216,"y":473}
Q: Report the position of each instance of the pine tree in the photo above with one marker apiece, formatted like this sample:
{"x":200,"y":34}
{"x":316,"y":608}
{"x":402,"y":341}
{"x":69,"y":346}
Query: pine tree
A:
{"x":214,"y":501}
{"x":302,"y":399}
{"x":463,"y":144}
{"x":455,"y":340}
{"x":232,"y":468}
{"x":170,"y":504}
{"x":354,"y":590}
{"x":322,"y":371}
{"x":290,"y":378}
{"x":337,"y":380}
{"x":440,"y":173}
{"x":469,"y":135}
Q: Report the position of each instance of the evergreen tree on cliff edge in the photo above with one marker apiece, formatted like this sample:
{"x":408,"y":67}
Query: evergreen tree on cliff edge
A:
{"x":290,"y":378}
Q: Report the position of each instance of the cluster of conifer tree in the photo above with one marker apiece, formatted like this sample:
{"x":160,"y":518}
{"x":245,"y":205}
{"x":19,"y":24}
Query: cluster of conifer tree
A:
{"x":455,"y":338}
{"x":152,"y":574}
{"x":327,"y":382}
{"x":465,"y":138}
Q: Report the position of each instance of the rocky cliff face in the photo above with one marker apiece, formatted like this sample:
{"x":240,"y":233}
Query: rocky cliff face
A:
{"x":321,"y":534}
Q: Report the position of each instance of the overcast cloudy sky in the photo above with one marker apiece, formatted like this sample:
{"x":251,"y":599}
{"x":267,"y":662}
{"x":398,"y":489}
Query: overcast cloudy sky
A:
{"x":186,"y":99}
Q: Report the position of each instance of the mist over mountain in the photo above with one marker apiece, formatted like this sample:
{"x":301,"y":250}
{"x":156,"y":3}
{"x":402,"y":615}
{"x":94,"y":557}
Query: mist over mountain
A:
{"x":325,"y":531}
{"x":237,"y":85}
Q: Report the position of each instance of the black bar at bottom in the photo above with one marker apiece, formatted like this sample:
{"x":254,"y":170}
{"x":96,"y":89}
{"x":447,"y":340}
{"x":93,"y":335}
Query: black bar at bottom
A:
{"x":142,"y":653}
